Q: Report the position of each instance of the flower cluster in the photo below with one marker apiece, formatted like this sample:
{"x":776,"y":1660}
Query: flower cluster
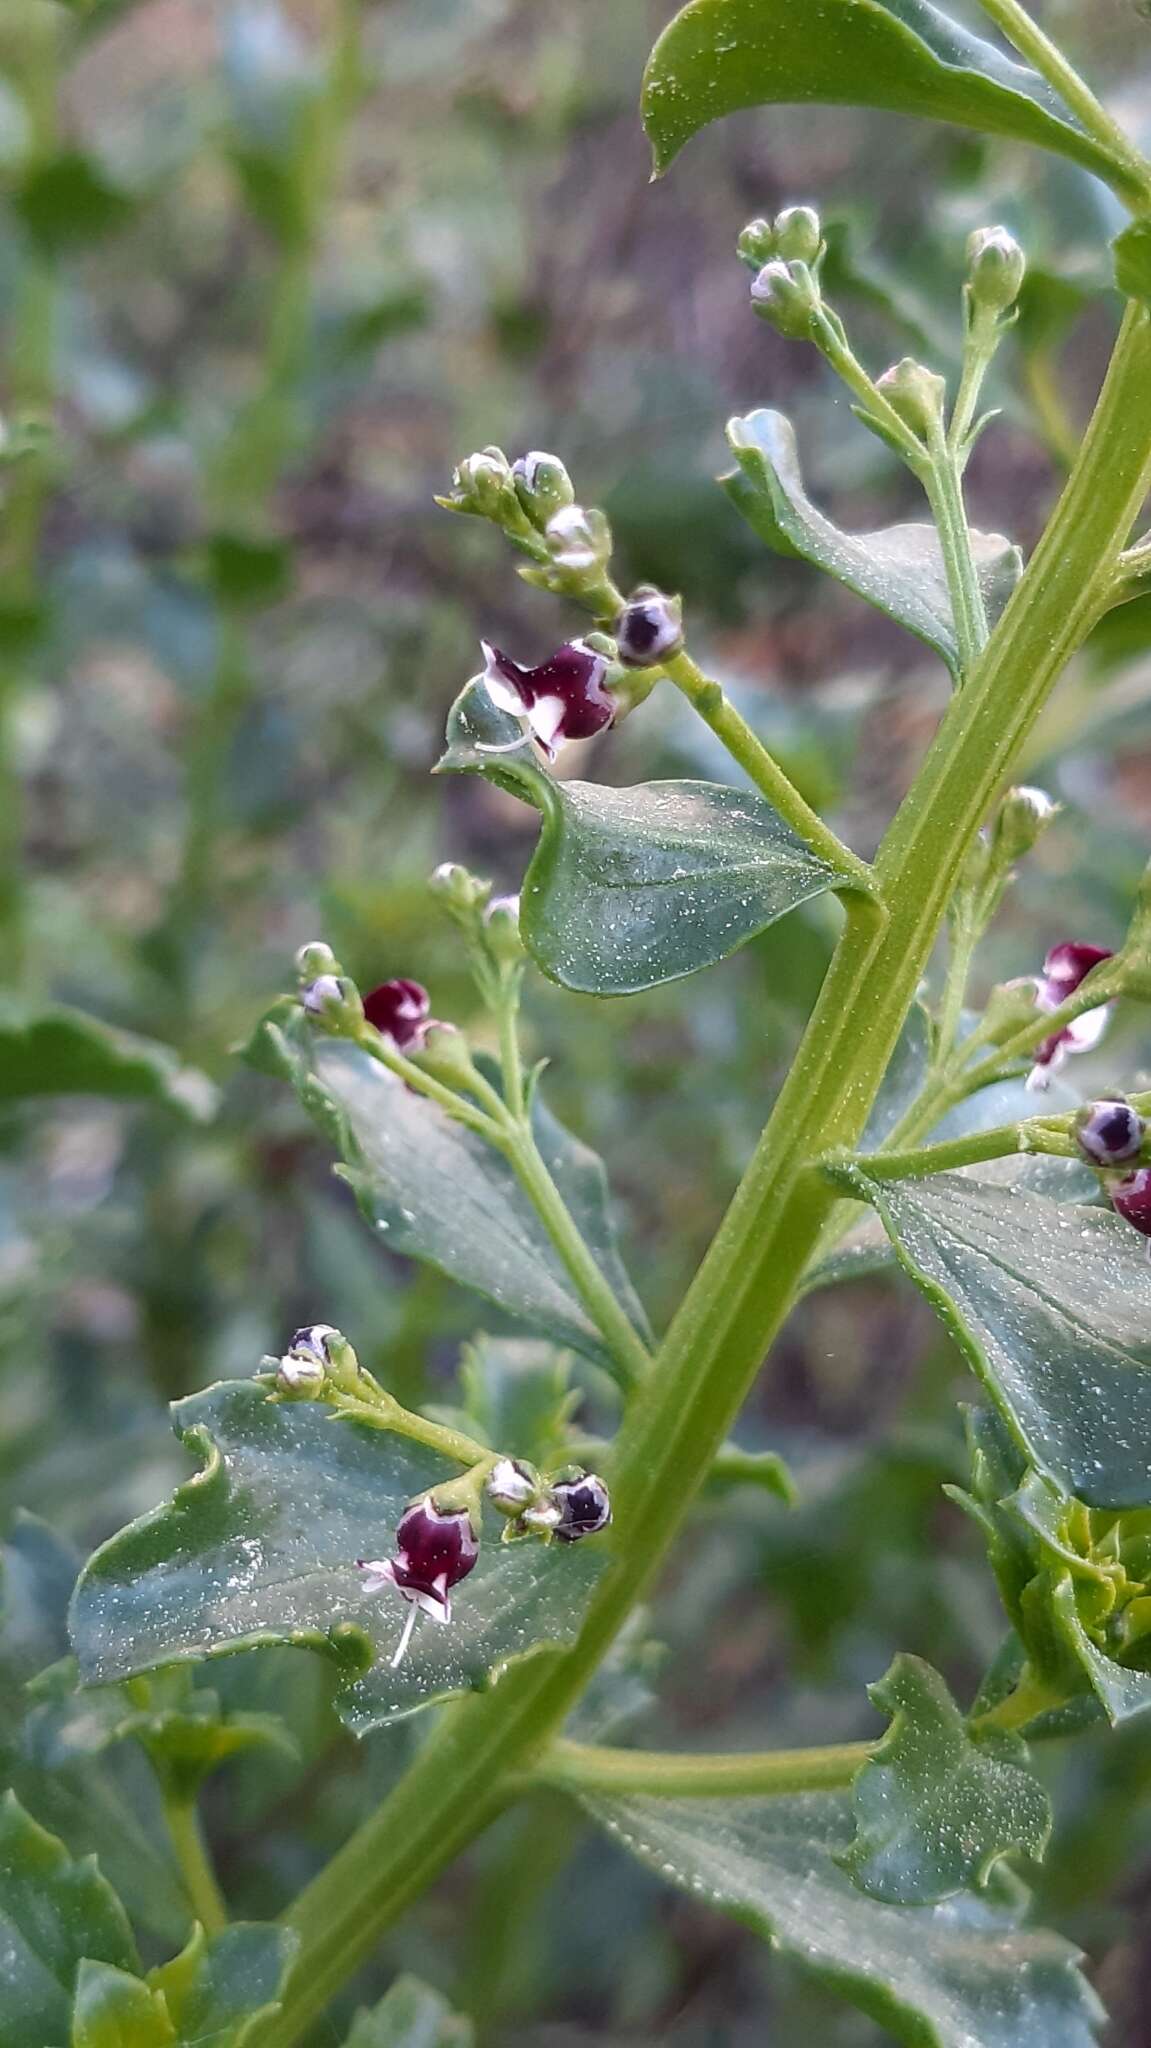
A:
{"x":1065,"y":968}
{"x":437,"y":1544}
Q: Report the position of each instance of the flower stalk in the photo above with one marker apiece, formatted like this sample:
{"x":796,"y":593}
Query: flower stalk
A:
{"x":716,"y":1345}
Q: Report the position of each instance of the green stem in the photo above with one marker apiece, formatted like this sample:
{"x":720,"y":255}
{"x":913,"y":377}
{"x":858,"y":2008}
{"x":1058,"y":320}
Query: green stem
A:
{"x":941,"y":481}
{"x":716,"y":1345}
{"x":953,"y":1153}
{"x":580,"y":1768}
{"x":381,"y":1411}
{"x":1031,"y":42}
{"x":631,"y":1355}
{"x":707,"y":697}
{"x":204,"y":1895}
{"x":30,"y":394}
{"x":982,"y":339}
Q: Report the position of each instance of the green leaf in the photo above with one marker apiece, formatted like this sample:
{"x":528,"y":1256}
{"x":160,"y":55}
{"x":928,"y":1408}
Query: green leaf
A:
{"x":67,"y":203}
{"x":261,"y":1546}
{"x":410,"y":2015}
{"x":115,"y":2010}
{"x":1050,"y":1304}
{"x":1121,"y":1692}
{"x":898,"y":569}
{"x":629,"y":888}
{"x":53,"y":1913}
{"x":903,"y":55}
{"x":434,"y":1190}
{"x":220,"y":1992}
{"x":518,"y":1397}
{"x":939,"y":1804}
{"x":183,"y":1727}
{"x":59,"y":1051}
{"x":1132,"y":252}
{"x":964,"y":1974}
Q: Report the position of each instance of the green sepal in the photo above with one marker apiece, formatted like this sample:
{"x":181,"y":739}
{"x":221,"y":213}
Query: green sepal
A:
{"x":116,"y":2010}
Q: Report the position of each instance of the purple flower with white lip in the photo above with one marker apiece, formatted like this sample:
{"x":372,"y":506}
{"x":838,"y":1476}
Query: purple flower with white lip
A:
{"x":435,"y":1549}
{"x":1066,"y":966}
{"x":401,"y":1013}
{"x":564,"y":698}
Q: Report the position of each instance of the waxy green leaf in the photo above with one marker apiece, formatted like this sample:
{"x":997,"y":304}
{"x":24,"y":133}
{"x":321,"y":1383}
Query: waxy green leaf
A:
{"x":116,"y":2010}
{"x":964,"y":1974}
{"x":182,"y":1726}
{"x":58,"y":1051}
{"x":898,"y":569}
{"x":410,"y":2015}
{"x":939,"y":1804}
{"x":434,"y":1190}
{"x":1051,"y":1304}
{"x":53,"y":1913}
{"x":220,"y":1992}
{"x":907,"y":56}
{"x":629,"y":888}
{"x":261,"y":1547}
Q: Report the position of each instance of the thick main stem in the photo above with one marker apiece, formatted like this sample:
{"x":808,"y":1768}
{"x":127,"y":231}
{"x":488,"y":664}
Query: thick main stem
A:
{"x":743,"y":1290}
{"x":1031,"y":42}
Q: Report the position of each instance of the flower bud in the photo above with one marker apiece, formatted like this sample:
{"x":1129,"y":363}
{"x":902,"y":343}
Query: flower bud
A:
{"x":502,"y":930}
{"x":995,"y":269}
{"x":649,"y":628}
{"x":1109,"y":1133}
{"x":756,"y":244}
{"x":443,"y":1053}
{"x":314,"y":960}
{"x":584,"y":1505}
{"x":1024,"y":816}
{"x":1131,"y":1198}
{"x":579,"y":540}
{"x":512,"y":1486}
{"x":786,"y":295}
{"x":483,"y":484}
{"x":798,"y":235}
{"x":915,"y":393}
{"x":462,"y":894}
{"x":304,"y":1366}
{"x":334,"y":1002}
{"x":542,"y":486}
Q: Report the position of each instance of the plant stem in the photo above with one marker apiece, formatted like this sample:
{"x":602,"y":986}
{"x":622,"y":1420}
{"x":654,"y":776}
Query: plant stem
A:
{"x":707,"y":697}
{"x":743,"y":1290}
{"x":380,"y":1411}
{"x":631,"y":1355}
{"x":579,"y":1767}
{"x":1033,"y":44}
{"x":953,"y":1153}
{"x":941,"y":481}
{"x":204,"y":1895}
{"x":30,"y":395}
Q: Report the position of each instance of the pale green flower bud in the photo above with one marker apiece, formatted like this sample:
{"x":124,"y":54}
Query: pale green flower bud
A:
{"x":995,"y":268}
{"x":786,"y":295}
{"x":542,"y":486}
{"x":915,"y":393}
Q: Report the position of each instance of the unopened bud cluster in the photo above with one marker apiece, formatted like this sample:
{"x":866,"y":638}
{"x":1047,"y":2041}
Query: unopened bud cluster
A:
{"x":785,"y":254}
{"x":318,"y":1360}
{"x":571,"y":1505}
{"x":533,"y":500}
{"x":490,"y":924}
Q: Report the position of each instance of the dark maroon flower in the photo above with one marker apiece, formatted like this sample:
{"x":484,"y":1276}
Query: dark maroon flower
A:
{"x":1131,"y":1196}
{"x":399,"y":1010}
{"x":435,"y":1549}
{"x":1066,"y":966}
{"x":584,"y":1505}
{"x":1109,"y":1133}
{"x":565,"y":698}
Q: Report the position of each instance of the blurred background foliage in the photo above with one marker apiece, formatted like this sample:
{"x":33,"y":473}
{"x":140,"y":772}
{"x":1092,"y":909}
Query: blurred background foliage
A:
{"x":266,"y":271}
